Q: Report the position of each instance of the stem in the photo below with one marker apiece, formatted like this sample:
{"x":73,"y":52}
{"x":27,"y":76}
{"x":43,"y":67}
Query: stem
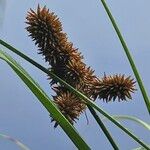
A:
{"x":72,"y":89}
{"x":133,"y":66}
{"x":106,"y":132}
{"x":46,"y":102}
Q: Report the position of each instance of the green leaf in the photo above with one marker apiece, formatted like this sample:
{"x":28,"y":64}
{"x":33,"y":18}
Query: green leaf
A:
{"x":104,"y":129}
{"x":129,"y":56}
{"x":18,"y":143}
{"x":140,"y":148}
{"x":131,"y":118}
{"x":46,"y":102}
{"x":79,"y":94}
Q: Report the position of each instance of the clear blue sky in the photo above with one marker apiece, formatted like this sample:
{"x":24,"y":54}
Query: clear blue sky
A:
{"x":89,"y":28}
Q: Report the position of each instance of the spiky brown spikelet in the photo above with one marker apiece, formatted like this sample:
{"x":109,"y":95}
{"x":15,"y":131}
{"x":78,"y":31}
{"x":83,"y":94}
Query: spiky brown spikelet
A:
{"x":46,"y":30}
{"x":73,"y":72}
{"x":70,"y":106}
{"x":117,"y":86}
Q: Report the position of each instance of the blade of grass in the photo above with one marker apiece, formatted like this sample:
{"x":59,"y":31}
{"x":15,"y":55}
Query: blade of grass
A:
{"x":79,"y":94}
{"x":46,"y":102}
{"x":139,"y":148}
{"x":131,"y":118}
{"x":45,"y":70}
{"x":127,"y":52}
{"x":104,"y":129}
{"x":18,"y":143}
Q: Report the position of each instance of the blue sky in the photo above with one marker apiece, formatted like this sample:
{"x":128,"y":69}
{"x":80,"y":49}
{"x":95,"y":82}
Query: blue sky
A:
{"x":89,"y":28}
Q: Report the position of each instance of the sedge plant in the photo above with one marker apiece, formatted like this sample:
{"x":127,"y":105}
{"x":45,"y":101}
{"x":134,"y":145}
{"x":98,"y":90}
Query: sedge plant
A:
{"x":75,"y":84}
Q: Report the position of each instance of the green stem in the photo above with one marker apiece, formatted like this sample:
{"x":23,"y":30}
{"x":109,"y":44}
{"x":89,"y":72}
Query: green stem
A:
{"x":48,"y":72}
{"x":46,"y":102}
{"x":72,"y":89}
{"x":131,"y":118}
{"x":106,"y":132}
{"x":133,"y":66}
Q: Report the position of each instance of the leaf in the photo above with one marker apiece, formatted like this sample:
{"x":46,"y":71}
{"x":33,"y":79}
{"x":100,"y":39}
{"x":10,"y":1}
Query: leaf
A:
{"x":129,"y":56}
{"x":140,"y":148}
{"x":46,"y":102}
{"x":131,"y":118}
{"x":18,"y":143}
{"x":79,"y":94}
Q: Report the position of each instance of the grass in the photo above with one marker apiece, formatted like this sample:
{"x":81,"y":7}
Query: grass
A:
{"x":51,"y":107}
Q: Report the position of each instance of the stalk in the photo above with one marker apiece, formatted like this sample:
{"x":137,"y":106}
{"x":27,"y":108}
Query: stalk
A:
{"x":127,"y":52}
{"x":79,"y":94}
{"x":104,"y":129}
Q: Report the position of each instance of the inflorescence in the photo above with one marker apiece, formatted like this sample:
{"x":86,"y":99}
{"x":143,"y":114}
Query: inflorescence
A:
{"x":67,"y":63}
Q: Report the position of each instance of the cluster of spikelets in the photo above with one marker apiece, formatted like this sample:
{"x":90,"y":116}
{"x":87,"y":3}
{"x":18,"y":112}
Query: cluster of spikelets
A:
{"x":67,"y":63}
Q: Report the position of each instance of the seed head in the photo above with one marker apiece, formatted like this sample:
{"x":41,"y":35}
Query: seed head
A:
{"x":46,"y":30}
{"x":70,"y":106}
{"x":117,"y":86}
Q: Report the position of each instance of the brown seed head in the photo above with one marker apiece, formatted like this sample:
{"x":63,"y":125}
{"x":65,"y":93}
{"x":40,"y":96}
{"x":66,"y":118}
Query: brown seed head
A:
{"x":117,"y":86}
{"x":46,"y":30}
{"x":70,"y":106}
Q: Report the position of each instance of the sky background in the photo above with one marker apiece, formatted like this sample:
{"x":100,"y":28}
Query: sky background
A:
{"x":88,"y":27}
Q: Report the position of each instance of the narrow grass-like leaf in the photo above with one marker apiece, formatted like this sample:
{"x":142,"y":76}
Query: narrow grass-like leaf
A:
{"x":47,"y":103}
{"x":142,"y":123}
{"x":79,"y":94}
{"x":139,"y":148}
{"x":131,"y":118}
{"x":127,"y":52}
{"x":45,"y":70}
{"x":18,"y":143}
{"x":104,"y":129}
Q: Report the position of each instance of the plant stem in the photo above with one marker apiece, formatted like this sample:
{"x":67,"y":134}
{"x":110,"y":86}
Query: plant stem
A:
{"x":48,"y":72}
{"x":106,"y":132}
{"x":131,"y":61}
{"x":72,"y":89}
{"x":131,"y":118}
{"x":46,"y":102}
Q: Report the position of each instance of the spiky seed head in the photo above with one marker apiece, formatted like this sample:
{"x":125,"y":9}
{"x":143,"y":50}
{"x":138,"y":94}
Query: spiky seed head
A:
{"x":72,"y":72}
{"x":117,"y":86}
{"x":70,"y":106}
{"x":46,"y":30}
